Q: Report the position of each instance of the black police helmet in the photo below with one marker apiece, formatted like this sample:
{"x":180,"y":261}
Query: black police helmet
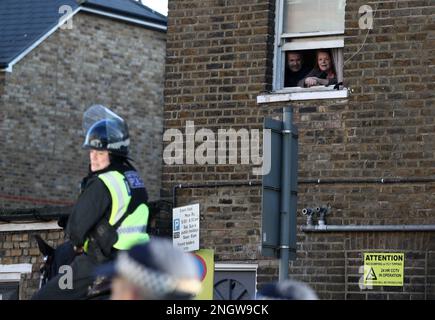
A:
{"x":108,"y":134}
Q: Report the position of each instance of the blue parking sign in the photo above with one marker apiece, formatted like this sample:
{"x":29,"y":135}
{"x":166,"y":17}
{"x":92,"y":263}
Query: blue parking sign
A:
{"x":176,"y":224}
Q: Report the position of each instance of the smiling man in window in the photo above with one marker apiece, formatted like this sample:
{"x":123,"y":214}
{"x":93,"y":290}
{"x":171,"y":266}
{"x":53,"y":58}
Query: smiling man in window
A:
{"x":296,"y":69}
{"x":305,"y":27}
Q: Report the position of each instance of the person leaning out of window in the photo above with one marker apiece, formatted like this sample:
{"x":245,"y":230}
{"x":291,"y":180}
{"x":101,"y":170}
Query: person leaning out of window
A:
{"x":322,"y":74}
{"x":296,"y":69}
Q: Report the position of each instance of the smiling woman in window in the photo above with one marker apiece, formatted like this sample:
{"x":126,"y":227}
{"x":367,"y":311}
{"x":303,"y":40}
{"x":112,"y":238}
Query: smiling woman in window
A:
{"x":323,"y":73}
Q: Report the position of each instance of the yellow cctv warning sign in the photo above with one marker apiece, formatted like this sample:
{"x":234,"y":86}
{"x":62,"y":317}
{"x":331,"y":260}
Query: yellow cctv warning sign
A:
{"x":383,"y":269}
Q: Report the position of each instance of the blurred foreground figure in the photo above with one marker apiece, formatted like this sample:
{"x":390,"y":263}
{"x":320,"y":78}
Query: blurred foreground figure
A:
{"x":153,"y":271}
{"x":286,"y":290}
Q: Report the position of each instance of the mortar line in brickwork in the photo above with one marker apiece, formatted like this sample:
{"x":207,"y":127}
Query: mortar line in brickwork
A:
{"x":216,"y":185}
{"x":36,"y":200}
{"x":391,"y":180}
{"x":370,"y":228}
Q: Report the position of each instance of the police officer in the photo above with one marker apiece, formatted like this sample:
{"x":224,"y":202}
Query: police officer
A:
{"x":111,"y":213}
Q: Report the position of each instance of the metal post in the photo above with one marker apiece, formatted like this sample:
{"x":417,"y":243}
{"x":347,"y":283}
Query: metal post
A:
{"x":285,"y":195}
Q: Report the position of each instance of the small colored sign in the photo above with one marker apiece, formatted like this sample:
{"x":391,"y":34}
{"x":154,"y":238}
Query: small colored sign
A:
{"x":205,"y":263}
{"x":384,"y":269}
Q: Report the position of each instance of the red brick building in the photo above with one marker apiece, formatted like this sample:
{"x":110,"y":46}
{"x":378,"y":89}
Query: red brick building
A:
{"x":225,"y":69}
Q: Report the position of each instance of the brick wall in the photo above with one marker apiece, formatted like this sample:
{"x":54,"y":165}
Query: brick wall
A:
{"x":20,"y":247}
{"x":2,"y":83}
{"x":219,"y":61}
{"x":98,"y":61}
{"x":2,"y":113}
{"x":332,"y":265}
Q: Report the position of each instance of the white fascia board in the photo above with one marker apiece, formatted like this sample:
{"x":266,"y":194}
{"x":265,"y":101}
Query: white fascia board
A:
{"x":132,"y":20}
{"x":10,"y":227}
{"x":8,"y":69}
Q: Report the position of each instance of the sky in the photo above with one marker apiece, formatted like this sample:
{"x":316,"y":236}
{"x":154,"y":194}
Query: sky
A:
{"x":160,"y":6}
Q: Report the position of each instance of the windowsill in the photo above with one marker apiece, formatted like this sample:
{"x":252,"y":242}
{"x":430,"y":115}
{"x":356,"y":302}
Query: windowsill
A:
{"x":300,"y":94}
{"x":10,"y":227}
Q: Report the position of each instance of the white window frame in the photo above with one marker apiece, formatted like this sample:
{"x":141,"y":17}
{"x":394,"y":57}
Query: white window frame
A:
{"x":296,"y":44}
{"x":12,"y":272}
{"x":299,"y":41}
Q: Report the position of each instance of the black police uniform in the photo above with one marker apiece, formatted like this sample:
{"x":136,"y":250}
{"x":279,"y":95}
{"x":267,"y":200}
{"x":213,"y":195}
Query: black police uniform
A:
{"x":90,"y":215}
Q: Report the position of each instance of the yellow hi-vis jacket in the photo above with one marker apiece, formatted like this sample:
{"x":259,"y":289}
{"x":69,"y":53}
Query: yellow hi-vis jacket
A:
{"x":132,"y":230}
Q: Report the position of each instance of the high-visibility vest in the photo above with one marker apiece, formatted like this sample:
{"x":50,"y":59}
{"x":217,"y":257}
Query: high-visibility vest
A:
{"x":132,"y":230}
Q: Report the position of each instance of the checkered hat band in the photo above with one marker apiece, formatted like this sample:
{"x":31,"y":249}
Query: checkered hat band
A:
{"x":148,"y":280}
